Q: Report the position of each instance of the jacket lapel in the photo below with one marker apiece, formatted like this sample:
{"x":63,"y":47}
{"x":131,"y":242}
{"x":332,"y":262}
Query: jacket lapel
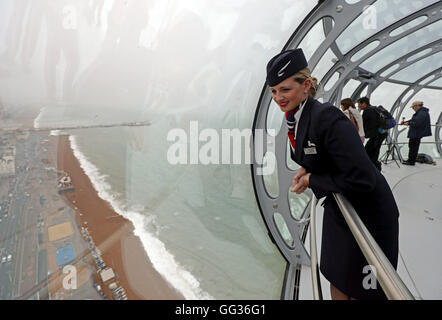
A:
{"x":303,"y":126}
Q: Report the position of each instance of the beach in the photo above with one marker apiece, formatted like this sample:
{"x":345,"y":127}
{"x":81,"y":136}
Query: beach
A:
{"x":112,"y":234}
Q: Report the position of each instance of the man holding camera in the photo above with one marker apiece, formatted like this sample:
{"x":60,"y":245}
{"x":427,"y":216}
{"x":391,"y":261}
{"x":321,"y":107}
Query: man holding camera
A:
{"x":419,"y":127}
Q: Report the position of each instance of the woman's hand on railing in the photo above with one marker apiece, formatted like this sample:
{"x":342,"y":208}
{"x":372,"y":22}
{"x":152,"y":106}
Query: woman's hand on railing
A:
{"x":301,"y":181}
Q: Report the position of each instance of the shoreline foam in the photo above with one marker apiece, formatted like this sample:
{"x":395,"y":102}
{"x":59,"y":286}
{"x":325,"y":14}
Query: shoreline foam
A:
{"x":110,"y":232}
{"x":162,"y":260}
{"x":37,"y":119}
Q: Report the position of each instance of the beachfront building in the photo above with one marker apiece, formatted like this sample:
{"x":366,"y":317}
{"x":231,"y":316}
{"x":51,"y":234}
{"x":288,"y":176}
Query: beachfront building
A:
{"x":7,"y":161}
{"x":7,"y":165}
{"x":65,"y":184}
{"x":107,"y":275}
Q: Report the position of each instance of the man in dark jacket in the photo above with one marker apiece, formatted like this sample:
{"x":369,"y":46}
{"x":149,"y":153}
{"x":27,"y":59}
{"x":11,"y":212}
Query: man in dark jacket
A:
{"x":371,"y":120}
{"x":419,"y":128}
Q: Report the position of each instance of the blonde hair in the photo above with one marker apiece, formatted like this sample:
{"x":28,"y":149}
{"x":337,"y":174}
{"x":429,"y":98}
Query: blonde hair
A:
{"x":304,"y":74}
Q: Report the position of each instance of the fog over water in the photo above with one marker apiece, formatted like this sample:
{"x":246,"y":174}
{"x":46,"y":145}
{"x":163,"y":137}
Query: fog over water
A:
{"x":89,"y":62}
{"x":167,"y":62}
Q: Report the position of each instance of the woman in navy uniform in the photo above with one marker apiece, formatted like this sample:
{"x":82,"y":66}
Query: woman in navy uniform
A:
{"x":326,"y":145}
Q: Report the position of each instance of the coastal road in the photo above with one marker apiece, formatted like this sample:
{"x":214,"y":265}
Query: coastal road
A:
{"x":26,"y":257}
{"x":9,"y":226}
{"x":18,"y":236}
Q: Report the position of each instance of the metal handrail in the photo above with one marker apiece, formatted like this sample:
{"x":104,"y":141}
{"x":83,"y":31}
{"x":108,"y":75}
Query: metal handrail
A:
{"x":391,"y":283}
{"x":422,"y":142}
{"x":317,"y":293}
{"x":431,"y":125}
{"x":387,"y":276}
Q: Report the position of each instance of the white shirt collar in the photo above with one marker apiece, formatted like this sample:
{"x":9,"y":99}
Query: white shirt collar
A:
{"x":298,"y":115}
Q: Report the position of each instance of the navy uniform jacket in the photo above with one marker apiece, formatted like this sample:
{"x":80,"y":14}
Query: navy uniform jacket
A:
{"x":329,"y":147}
{"x":419,"y":124}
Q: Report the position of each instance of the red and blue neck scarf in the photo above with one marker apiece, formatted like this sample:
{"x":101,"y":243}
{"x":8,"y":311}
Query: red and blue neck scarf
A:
{"x":291,"y":124}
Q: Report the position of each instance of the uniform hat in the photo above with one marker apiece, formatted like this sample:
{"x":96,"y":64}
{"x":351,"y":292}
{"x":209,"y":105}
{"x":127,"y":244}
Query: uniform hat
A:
{"x":284,"y":65}
{"x":417,"y":103}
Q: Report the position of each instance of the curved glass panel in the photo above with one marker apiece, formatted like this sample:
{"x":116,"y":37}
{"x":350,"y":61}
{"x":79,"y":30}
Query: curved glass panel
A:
{"x":375,"y":18}
{"x":419,"y":54}
{"x":283,"y":229}
{"x":350,"y":87}
{"x":352,"y":1}
{"x":407,"y":95}
{"x":368,"y":48}
{"x":364,"y":92}
{"x":408,"y":26}
{"x":327,"y":61}
{"x":333,"y":79}
{"x":389,"y":70}
{"x":427,"y":80}
{"x":401,"y":47}
{"x":275,"y":119}
{"x":143,"y":82}
{"x":386,"y":94}
{"x":437,"y":83}
{"x":138,"y":173}
{"x":271,"y":176}
{"x":313,"y":39}
{"x":298,"y":203}
{"x":420,"y":68}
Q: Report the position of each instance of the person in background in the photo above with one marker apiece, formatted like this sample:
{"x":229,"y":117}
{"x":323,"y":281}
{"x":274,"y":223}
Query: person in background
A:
{"x":373,"y":132}
{"x":419,"y":127}
{"x":349,"y":109}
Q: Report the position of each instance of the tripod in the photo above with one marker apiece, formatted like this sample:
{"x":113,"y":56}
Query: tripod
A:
{"x":391,"y":149}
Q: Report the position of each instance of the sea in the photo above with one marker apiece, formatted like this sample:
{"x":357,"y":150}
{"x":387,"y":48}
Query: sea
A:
{"x":199,"y":224}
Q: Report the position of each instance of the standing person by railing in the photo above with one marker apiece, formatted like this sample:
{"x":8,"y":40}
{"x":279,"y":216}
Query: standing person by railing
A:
{"x":372,"y":123}
{"x":419,"y":128}
{"x":333,"y":160}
